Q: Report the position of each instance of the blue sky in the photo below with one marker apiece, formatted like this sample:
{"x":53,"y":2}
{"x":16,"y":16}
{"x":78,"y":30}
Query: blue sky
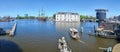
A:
{"x":84,"y":7}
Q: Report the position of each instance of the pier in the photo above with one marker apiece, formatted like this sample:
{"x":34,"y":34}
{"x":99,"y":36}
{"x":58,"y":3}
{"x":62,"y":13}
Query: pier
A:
{"x":116,"y":48}
{"x":11,"y":33}
{"x":107,"y":30}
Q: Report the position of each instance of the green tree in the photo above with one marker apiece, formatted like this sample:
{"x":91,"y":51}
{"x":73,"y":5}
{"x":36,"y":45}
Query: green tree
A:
{"x":31,"y":17}
{"x":87,"y":17}
{"x":19,"y":17}
{"x":26,"y":16}
{"x":53,"y":17}
{"x":83,"y":17}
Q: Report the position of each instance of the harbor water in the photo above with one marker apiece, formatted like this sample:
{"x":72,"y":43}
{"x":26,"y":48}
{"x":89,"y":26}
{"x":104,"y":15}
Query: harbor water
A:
{"x":40,"y":36}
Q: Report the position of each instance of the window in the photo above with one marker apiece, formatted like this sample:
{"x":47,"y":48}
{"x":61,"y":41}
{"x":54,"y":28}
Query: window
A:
{"x":57,"y":15}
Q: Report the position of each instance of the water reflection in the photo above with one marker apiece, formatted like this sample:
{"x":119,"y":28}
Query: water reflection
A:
{"x":63,"y":25}
{"x":62,"y":28}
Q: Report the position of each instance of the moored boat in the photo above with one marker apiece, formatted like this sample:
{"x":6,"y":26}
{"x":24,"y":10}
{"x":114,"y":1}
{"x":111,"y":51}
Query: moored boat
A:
{"x":109,"y":49}
{"x":62,"y":45}
{"x":74,"y":33}
{"x":42,"y":19}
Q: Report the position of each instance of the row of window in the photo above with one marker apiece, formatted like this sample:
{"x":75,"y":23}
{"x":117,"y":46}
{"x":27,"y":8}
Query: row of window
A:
{"x":67,"y":16}
{"x":67,"y":19}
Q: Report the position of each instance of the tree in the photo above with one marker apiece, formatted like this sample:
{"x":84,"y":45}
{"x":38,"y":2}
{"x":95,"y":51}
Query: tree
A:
{"x":26,"y":16}
{"x":53,"y":17}
{"x":83,"y":17}
{"x":87,"y":17}
{"x":31,"y":17}
{"x":19,"y":17}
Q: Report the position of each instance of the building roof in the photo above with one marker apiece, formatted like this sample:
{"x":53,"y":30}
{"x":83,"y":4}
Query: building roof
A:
{"x":67,"y":13}
{"x":101,"y":10}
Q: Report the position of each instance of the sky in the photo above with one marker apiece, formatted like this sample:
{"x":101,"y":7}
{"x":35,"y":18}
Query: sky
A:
{"x":50,"y":7}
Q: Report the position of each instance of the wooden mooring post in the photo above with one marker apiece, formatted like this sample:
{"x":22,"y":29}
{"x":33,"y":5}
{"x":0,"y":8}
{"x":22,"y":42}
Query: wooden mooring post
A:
{"x":81,"y":29}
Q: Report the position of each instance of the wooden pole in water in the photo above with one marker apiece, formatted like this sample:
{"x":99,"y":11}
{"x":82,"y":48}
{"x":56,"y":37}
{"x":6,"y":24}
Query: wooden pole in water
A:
{"x":94,"y":29}
{"x":89,"y":33}
{"x":81,"y":29}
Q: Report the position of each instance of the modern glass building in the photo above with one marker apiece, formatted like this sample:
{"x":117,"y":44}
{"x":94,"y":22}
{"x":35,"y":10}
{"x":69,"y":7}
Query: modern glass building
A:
{"x":118,"y":17}
{"x":101,"y":14}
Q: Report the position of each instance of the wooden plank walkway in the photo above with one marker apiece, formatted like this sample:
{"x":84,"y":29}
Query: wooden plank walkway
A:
{"x":116,"y":48}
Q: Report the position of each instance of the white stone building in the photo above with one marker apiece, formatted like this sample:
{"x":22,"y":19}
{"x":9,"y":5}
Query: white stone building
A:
{"x":67,"y":16}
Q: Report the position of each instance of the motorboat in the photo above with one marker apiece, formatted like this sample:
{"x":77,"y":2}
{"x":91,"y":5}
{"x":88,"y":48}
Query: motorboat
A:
{"x":74,"y":33}
{"x":62,"y":45}
{"x":109,"y":49}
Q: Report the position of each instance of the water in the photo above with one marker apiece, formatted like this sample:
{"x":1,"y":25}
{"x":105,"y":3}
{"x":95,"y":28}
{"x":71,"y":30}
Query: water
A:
{"x":36,"y":36}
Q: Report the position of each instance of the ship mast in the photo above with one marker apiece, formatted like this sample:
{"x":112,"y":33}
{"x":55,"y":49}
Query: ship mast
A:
{"x":42,"y":13}
{"x":39,"y":13}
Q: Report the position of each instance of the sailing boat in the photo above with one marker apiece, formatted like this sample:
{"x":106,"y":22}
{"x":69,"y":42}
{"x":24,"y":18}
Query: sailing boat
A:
{"x":41,"y":16}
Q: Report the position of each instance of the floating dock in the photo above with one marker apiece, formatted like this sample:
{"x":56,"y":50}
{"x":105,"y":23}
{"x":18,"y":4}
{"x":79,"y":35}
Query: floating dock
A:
{"x":116,"y":48}
{"x":101,"y":32}
{"x":11,"y":33}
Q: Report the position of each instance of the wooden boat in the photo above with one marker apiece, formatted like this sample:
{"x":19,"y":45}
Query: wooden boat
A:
{"x":42,"y":19}
{"x":62,"y":45}
{"x":74,"y":33}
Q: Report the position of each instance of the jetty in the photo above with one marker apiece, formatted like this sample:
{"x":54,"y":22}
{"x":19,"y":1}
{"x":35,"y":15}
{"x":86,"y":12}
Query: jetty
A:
{"x":11,"y":33}
{"x":116,"y":48}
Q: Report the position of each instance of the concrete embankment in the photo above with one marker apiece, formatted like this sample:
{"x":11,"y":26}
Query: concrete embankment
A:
{"x":13,"y":30}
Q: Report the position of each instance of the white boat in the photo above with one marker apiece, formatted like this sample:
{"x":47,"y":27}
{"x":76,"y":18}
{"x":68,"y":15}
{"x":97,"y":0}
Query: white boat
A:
{"x":62,"y":45}
{"x":109,"y":49}
{"x":74,"y":33}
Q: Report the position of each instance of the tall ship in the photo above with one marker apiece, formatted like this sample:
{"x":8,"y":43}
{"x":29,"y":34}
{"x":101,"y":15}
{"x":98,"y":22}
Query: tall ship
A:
{"x":42,"y":19}
{"x":41,"y":16}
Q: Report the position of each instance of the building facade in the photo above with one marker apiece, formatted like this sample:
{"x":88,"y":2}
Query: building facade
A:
{"x":118,"y":18}
{"x":101,"y":14}
{"x":67,"y":16}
